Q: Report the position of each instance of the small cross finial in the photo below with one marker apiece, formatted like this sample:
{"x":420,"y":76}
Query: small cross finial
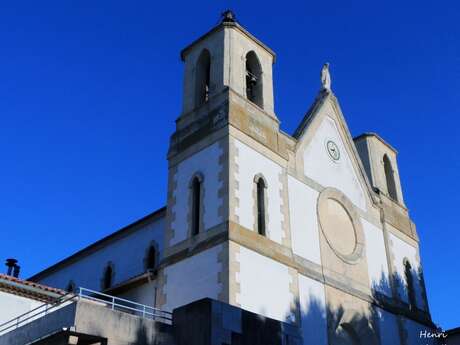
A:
{"x":228,"y":16}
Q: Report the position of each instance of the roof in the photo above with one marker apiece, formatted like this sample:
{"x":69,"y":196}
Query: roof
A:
{"x":99,"y":244}
{"x":375,"y":135}
{"x":28,"y":289}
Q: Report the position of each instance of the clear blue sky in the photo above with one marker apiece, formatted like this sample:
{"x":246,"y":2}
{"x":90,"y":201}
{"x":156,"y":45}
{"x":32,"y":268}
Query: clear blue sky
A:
{"x":89,"y":91}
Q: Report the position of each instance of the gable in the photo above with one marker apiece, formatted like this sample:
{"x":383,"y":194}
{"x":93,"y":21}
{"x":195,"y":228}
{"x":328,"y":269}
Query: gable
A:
{"x":326,"y":153}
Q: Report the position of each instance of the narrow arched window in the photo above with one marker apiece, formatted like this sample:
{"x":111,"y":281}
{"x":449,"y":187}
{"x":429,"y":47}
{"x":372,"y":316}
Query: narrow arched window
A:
{"x":196,"y":205}
{"x":203,"y":76}
{"x":390,"y":179}
{"x":71,"y":286}
{"x":260,"y":184}
{"x":410,"y":282}
{"x":254,"y":87}
{"x":151,"y":258}
{"x":107,"y":280}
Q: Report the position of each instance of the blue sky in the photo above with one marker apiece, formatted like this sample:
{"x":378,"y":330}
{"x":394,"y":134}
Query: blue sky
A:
{"x":89,"y":92}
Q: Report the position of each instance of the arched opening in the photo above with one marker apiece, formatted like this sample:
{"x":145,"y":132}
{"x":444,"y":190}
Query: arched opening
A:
{"x":107,"y":280}
{"x":260,"y":184}
{"x":196,"y":205}
{"x":203,"y":76}
{"x":390,"y":179}
{"x":254,"y":87}
{"x":71,"y":286}
{"x":410,"y":282}
{"x":151,"y":259}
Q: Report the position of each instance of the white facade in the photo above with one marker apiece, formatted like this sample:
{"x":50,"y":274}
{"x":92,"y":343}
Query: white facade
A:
{"x":261,"y":279}
{"x":251,"y":164}
{"x":304,"y":222}
{"x":194,"y":278}
{"x":206,"y":164}
{"x":335,"y":242}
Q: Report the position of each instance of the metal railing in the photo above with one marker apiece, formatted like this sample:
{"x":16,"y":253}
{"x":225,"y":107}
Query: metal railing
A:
{"x":36,"y":313}
{"x":109,"y":301}
{"x":121,"y":304}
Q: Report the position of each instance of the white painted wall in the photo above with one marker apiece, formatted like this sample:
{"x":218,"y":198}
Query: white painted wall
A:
{"x":193,"y":278}
{"x":322,"y":169}
{"x":264,"y":286}
{"x":400,"y":250}
{"x":144,"y":294}
{"x":127,"y":255}
{"x":205,"y":162}
{"x":12,"y":306}
{"x":303,"y":220}
{"x":250,"y":163}
{"x":388,"y":327}
{"x":376,"y":258}
{"x":313,"y":311}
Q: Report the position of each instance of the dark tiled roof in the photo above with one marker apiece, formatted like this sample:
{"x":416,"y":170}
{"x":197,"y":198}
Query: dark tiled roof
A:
{"x":29,"y":289}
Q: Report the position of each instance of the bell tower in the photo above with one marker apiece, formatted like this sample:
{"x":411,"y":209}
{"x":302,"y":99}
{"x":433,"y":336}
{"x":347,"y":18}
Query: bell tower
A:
{"x":227,"y":57}
{"x":227,"y":110}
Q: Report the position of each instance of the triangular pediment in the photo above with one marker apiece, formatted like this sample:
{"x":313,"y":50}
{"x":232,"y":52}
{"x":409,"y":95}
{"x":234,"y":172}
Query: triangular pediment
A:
{"x":327,"y":154}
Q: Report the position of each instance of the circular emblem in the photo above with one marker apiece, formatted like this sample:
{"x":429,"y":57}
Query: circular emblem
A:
{"x":340,"y":225}
{"x":333,"y":150}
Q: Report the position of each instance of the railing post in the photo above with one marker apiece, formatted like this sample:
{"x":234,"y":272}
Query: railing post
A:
{"x":113,"y":303}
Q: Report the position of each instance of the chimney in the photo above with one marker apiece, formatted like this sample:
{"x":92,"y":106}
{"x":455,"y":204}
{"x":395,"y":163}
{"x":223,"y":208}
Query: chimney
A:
{"x":12,"y":264}
{"x":16,"y":270}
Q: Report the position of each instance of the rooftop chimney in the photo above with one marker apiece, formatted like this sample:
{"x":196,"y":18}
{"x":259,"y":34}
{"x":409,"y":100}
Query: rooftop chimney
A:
{"x":16,"y":270}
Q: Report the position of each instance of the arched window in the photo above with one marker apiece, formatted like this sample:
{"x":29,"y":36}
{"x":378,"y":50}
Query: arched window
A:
{"x":107,"y":279}
{"x":71,"y":286}
{"x":254,"y":85}
{"x":260,"y":185}
{"x":389,"y":175}
{"x":410,"y":282}
{"x":196,"y":204}
{"x":151,"y":258}
{"x":202,"y":78}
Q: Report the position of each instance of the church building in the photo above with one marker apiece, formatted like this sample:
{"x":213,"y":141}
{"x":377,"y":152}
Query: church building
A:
{"x":308,"y":228}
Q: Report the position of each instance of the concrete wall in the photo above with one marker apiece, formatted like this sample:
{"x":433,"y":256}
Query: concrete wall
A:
{"x":322,"y":169}
{"x":205,"y":163}
{"x":313,"y":320}
{"x":265,"y":286}
{"x":304,"y":220}
{"x":94,"y":319}
{"x":127,"y":255}
{"x":54,"y":321}
{"x":193,"y":278}
{"x":251,"y":163}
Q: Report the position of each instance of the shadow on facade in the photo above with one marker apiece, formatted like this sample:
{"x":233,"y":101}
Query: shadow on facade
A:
{"x":352,"y":321}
